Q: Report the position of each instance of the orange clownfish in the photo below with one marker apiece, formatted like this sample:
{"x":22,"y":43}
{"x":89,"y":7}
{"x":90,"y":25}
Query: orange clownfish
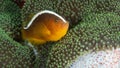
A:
{"x":45,"y":26}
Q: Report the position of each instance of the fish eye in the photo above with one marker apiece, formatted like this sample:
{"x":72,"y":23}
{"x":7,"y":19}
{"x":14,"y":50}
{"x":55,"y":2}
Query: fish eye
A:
{"x":57,"y":20}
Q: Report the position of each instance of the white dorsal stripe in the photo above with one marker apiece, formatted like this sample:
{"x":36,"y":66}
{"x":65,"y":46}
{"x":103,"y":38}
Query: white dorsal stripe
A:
{"x":40,"y":13}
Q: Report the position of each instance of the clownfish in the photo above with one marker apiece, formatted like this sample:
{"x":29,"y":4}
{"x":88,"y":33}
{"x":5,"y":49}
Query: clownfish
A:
{"x":45,"y":26}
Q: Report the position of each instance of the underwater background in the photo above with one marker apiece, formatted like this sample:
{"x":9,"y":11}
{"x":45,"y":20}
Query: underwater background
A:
{"x":92,"y":41}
